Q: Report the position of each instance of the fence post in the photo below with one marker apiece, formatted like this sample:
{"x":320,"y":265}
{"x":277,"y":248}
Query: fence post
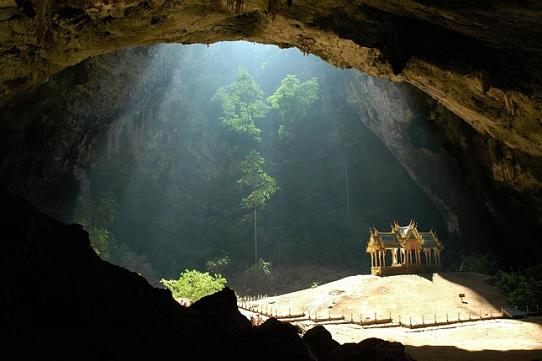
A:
{"x":375,"y":316}
{"x":423,"y":320}
{"x":447,"y":318}
{"x":458,"y":317}
{"x":399,"y":319}
{"x":410,"y":321}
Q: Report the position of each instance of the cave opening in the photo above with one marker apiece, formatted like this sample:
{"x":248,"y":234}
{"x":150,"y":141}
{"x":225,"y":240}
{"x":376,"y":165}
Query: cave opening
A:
{"x":163,"y":192}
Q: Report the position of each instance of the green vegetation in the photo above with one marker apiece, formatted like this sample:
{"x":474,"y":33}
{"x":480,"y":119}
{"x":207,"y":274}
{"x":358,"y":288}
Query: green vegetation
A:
{"x":523,"y":289}
{"x":261,"y":186}
{"x":180,"y":177}
{"x":242,"y":103}
{"x":194,"y":285}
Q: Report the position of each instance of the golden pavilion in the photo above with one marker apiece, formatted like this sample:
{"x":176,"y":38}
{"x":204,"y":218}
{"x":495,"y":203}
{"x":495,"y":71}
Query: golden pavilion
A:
{"x":403,"y":250}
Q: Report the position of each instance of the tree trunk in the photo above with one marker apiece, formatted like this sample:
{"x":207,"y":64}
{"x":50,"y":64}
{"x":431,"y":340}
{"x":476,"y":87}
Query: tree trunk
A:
{"x":255,"y":239}
{"x":347,"y":188}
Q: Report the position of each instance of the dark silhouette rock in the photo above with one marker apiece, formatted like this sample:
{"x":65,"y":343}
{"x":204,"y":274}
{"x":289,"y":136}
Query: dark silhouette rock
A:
{"x":371,"y":349}
{"x":276,"y":340}
{"x":219,"y":312}
{"x":320,"y":343}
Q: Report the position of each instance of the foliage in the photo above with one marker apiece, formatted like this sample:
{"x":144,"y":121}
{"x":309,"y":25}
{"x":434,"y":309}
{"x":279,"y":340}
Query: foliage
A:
{"x":242,"y":103}
{"x":293,"y":99}
{"x":219,"y":265}
{"x":194,"y":285}
{"x":262,"y":186}
{"x":256,"y":279}
{"x":522,"y":289}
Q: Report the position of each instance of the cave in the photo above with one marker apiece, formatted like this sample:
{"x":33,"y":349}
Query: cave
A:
{"x":449,"y":93}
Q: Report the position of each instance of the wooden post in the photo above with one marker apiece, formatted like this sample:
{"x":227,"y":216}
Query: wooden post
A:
{"x":458,"y":318}
{"x":447,"y":317}
{"x":423,"y":320}
{"x":410,"y":321}
{"x":375,"y":316}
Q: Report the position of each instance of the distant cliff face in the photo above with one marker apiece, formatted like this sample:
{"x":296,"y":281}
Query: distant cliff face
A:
{"x":49,"y":136}
{"x":487,"y":192}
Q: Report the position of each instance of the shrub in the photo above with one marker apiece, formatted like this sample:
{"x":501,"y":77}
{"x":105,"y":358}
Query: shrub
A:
{"x":194,"y":285}
{"x":256,"y":279}
{"x":522,"y":289}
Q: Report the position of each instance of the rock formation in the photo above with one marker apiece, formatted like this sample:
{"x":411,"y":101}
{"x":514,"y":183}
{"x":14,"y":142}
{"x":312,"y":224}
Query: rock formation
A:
{"x":480,"y":59}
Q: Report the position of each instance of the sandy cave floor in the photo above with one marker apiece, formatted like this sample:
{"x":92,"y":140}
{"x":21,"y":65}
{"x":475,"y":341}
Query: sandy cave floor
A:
{"x":417,"y":298}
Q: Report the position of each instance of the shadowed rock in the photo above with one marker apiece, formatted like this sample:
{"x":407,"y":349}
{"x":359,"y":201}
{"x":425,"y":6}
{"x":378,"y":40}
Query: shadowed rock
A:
{"x":319,"y":341}
{"x":371,"y":349}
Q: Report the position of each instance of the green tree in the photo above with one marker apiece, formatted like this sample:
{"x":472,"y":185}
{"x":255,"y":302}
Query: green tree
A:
{"x":242,"y":103}
{"x":194,"y":285}
{"x":261,"y":185}
{"x":293,"y":99}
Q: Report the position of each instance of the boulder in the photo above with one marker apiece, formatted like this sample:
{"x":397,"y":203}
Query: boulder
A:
{"x":320,"y":343}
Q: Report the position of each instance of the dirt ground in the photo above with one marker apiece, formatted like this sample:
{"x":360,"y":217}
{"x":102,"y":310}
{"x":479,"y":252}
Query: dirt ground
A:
{"x":420,"y":299}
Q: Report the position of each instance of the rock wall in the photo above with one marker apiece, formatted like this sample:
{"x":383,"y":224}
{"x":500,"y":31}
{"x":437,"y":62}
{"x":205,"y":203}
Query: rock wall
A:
{"x":482,"y":187}
{"x":48,"y":136}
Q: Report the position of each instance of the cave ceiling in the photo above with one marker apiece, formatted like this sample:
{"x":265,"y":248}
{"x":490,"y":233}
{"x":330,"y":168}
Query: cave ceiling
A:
{"x":480,"y":59}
